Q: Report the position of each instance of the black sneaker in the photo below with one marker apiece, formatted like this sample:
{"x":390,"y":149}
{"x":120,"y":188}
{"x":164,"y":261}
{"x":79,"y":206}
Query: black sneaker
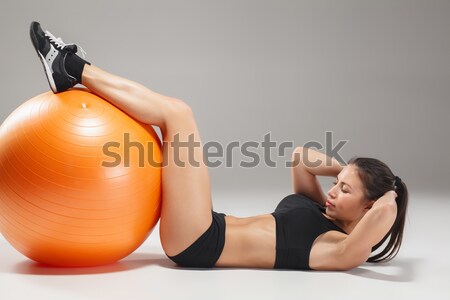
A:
{"x":53,"y":52}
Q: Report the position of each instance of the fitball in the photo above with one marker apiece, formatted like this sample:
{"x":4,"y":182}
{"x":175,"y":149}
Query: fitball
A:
{"x":80,"y":180}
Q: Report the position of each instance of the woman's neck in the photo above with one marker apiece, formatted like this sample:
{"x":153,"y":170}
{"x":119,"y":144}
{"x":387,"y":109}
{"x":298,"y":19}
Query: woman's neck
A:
{"x":346,"y":226}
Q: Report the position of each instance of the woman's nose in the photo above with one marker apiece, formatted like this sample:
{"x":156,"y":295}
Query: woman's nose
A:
{"x":331,"y":193}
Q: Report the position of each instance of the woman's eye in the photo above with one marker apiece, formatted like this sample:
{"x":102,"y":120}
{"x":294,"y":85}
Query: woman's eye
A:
{"x":335,"y":182}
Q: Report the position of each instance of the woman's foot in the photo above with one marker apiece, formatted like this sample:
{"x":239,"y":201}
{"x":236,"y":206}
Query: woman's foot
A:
{"x":61,"y":64}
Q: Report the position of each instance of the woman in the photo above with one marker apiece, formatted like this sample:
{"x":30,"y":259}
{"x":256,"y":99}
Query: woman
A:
{"x":308,"y":230}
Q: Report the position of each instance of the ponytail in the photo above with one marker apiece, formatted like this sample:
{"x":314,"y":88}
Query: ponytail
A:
{"x":395,"y":234}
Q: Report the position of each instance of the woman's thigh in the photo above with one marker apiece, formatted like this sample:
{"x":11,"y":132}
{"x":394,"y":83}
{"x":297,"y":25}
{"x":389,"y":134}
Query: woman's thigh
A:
{"x":186,"y":193}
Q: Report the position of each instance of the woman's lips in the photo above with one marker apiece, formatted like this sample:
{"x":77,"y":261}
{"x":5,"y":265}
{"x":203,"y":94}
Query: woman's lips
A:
{"x":329,"y":204}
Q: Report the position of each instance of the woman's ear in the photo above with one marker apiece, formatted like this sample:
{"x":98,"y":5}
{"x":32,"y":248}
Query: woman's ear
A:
{"x":369,"y":204}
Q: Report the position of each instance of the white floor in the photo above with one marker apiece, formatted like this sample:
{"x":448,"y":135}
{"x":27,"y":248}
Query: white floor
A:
{"x":422,"y":268}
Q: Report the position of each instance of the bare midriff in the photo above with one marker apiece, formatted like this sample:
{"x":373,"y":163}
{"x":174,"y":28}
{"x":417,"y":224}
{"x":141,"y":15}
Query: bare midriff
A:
{"x":249,"y":242}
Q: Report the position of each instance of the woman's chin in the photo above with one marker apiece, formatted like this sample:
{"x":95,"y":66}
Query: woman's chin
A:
{"x":330,"y":212}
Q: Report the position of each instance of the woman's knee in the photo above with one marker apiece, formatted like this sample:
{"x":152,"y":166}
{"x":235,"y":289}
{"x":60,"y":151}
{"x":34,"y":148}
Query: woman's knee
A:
{"x":179,"y":107}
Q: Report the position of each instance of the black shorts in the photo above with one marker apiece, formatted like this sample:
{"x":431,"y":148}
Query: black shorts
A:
{"x":206,"y":250}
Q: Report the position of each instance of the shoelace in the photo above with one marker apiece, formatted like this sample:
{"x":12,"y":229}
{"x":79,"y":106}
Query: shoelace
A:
{"x":60,"y":44}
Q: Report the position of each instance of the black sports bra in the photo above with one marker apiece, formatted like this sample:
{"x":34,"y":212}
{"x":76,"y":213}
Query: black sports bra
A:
{"x":299,"y":221}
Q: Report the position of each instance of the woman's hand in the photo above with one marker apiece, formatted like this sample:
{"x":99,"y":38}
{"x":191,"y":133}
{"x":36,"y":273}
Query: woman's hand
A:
{"x":392,"y":194}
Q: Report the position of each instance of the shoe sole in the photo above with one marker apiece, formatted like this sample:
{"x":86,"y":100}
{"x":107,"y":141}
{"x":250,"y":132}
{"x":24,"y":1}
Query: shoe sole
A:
{"x":48,"y":71}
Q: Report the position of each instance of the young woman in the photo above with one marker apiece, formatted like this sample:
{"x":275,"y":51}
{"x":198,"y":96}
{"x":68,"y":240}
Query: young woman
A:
{"x":308,"y":230}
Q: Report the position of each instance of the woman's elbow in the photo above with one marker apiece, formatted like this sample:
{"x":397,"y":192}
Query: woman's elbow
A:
{"x":351,"y":259}
{"x":296,"y":152}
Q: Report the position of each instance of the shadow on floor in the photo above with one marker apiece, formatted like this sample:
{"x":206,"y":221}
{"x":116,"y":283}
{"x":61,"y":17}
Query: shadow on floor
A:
{"x":397,"y":270}
{"x":132,"y":262}
{"x":405,"y":270}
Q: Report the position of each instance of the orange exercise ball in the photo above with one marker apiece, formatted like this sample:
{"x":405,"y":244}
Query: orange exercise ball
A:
{"x":80,"y":180}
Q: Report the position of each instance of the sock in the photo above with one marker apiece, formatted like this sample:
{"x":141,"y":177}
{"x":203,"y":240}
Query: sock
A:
{"x":75,"y":65}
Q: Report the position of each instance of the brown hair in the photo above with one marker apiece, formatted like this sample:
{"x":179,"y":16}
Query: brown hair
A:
{"x":377,"y":179}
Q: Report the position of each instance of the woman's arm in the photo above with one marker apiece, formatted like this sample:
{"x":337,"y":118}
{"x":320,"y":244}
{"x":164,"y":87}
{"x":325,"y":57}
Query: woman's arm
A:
{"x":307,"y":163}
{"x":369,"y":231}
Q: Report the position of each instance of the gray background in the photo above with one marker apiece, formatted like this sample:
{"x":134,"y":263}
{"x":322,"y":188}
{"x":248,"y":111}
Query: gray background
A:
{"x":375,"y":73}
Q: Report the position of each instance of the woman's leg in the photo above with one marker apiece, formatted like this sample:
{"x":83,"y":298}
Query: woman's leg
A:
{"x":186,"y":196}
{"x":133,"y":98}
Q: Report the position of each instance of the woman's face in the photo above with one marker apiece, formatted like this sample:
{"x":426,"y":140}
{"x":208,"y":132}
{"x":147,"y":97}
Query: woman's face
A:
{"x":347,"y":196}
